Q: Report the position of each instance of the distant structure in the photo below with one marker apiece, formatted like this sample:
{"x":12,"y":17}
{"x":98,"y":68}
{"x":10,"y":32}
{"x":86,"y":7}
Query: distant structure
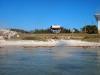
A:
{"x":55,"y":28}
{"x":97,"y":15}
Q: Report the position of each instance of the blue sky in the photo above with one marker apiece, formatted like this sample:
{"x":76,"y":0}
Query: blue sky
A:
{"x":34,"y":14}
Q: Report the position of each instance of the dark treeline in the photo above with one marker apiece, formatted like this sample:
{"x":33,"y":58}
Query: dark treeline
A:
{"x":48,"y":30}
{"x":41,"y":31}
{"x":19,"y":30}
{"x":90,"y":29}
{"x":64,"y":30}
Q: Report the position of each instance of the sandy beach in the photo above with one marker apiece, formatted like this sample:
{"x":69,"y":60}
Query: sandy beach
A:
{"x":49,"y":43}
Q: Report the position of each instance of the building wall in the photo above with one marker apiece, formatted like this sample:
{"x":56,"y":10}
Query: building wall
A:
{"x":99,"y":26}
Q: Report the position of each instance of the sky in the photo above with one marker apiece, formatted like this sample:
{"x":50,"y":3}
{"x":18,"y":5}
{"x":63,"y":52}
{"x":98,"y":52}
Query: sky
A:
{"x":38,"y":14}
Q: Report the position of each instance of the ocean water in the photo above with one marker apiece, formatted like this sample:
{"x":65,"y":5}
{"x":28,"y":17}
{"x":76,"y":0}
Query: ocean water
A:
{"x":49,"y":61}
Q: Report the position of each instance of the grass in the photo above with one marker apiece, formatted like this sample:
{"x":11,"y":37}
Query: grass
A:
{"x":76,"y":36}
{"x":92,"y":38}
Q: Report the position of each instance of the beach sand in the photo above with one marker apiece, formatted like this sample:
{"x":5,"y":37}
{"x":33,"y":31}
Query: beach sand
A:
{"x":49,"y":43}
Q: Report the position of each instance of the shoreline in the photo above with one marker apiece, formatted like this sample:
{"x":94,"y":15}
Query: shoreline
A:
{"x":49,"y":43}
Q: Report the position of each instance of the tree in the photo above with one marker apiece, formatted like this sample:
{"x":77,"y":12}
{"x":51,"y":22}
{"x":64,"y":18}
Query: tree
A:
{"x":64,"y":30}
{"x":90,"y":29}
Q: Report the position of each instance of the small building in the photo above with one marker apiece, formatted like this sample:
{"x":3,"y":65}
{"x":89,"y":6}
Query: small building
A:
{"x":97,"y":15}
{"x":55,"y":28}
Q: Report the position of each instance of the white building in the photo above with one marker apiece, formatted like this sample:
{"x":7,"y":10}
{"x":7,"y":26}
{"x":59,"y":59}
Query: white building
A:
{"x":55,"y":28}
{"x":97,"y":15}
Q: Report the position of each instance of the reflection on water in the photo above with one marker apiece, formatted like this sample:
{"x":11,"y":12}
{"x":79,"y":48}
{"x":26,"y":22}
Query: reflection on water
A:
{"x":50,"y":61}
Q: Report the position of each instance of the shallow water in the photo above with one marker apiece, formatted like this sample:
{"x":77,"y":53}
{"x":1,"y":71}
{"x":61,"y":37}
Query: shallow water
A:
{"x":50,"y":61}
